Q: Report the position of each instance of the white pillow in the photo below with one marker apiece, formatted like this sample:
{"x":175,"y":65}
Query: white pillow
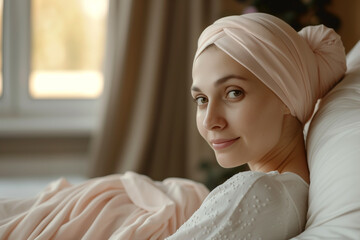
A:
{"x":333,"y":145}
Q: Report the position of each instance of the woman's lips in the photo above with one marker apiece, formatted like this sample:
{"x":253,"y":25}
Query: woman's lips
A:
{"x":219,"y":144}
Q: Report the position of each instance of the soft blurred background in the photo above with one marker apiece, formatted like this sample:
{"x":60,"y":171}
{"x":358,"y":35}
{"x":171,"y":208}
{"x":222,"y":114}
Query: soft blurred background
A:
{"x":96,"y":87}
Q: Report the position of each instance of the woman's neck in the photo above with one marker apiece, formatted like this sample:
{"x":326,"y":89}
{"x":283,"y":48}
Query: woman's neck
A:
{"x":295,"y":161}
{"x":288,"y":156}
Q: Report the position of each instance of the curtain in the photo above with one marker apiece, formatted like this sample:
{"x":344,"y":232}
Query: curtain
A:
{"x":147,"y":115}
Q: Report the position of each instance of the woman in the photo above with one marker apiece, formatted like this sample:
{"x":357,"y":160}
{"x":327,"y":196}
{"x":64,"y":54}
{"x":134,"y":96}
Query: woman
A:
{"x":256,"y":82}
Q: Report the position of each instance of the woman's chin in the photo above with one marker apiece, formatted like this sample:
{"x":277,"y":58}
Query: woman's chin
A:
{"x":228,"y":162}
{"x":226,"y":165}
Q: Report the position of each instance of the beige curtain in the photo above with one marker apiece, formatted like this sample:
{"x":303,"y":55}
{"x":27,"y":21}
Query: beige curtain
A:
{"x":148,"y":118}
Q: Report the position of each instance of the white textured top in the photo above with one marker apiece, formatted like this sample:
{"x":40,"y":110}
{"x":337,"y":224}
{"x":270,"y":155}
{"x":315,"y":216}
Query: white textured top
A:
{"x":250,"y":205}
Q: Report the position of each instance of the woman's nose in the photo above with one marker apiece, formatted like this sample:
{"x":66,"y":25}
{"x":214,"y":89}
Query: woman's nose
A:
{"x":214,"y":118}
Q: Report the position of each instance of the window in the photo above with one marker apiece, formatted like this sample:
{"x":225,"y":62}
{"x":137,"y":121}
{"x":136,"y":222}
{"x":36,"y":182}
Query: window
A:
{"x":64,"y":59}
{"x":1,"y":81}
{"x":52,"y":58}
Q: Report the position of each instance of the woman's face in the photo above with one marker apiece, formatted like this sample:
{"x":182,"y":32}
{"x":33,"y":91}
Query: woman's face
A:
{"x":237,"y":114}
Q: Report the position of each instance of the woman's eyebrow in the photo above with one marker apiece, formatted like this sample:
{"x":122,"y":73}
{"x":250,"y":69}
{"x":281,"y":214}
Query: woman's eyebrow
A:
{"x":226,"y":78}
{"x":219,"y":81}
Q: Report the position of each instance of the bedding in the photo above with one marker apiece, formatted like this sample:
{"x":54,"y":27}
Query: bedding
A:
{"x":122,"y":206}
{"x":29,"y":186}
{"x":333,"y":146}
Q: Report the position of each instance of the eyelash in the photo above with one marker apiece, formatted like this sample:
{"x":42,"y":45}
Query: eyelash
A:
{"x":235,"y":90}
{"x":200,"y":98}
{"x":196,"y":100}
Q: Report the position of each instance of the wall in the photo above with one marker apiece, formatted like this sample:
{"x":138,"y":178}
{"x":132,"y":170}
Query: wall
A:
{"x":348,"y":11}
{"x":30,"y":156}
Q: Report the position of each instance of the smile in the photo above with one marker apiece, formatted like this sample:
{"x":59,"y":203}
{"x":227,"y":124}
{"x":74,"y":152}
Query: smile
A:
{"x":219,"y":144}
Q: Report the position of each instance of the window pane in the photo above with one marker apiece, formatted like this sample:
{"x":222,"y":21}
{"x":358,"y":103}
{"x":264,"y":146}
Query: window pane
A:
{"x":1,"y":78}
{"x":68,"y":39}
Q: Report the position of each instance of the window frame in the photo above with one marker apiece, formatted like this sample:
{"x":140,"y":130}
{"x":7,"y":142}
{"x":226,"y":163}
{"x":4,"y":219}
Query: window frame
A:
{"x":20,"y":112}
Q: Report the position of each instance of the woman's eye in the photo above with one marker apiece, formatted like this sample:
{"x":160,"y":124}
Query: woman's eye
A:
{"x":200,"y":100}
{"x":234,"y":93}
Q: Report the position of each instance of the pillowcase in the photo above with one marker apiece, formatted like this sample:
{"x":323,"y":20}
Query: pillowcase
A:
{"x":333,"y":147}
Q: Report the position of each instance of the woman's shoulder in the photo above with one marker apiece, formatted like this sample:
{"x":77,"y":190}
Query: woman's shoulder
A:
{"x":254,"y":192}
{"x":249,"y":181}
{"x":252,"y":205}
{"x":272,"y":202}
{"x":261,"y":203}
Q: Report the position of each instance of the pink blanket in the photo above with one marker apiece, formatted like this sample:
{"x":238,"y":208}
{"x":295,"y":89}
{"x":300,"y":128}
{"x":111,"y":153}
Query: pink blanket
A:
{"x":128,"y":206}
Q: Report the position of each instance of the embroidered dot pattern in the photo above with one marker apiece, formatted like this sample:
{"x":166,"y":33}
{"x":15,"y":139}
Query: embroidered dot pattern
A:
{"x":244,"y":207}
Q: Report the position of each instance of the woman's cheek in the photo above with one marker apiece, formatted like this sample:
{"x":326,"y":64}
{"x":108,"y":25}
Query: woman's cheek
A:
{"x":244,"y":116}
{"x":199,"y":123}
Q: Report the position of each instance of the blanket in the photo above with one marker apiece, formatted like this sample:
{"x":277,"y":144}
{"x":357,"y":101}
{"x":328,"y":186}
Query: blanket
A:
{"x":121,"y":206}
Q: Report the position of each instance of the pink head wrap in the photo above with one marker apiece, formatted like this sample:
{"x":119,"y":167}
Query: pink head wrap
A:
{"x":299,"y":67}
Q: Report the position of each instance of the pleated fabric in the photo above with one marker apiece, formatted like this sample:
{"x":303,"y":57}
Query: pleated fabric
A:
{"x":299,"y":67}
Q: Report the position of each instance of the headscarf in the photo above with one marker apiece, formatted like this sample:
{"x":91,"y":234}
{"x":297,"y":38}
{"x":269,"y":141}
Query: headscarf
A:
{"x":299,"y":67}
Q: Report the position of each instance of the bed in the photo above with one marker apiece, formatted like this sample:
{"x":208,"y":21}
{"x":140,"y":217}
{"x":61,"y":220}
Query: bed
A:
{"x":120,"y":206}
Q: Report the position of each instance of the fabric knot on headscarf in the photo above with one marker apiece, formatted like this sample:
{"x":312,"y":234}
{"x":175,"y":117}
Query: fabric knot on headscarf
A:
{"x":299,"y":67}
{"x":329,"y":53}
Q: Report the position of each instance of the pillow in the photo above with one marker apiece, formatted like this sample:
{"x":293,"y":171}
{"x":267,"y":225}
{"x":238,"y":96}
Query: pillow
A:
{"x":333,"y":146}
